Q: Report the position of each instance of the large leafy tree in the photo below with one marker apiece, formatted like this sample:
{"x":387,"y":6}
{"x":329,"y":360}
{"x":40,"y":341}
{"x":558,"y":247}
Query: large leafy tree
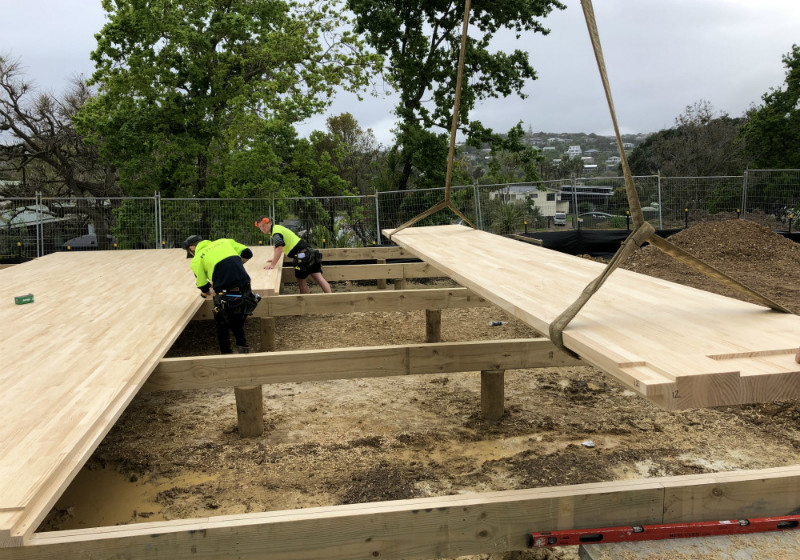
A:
{"x":421,"y":41}
{"x":772,"y":133}
{"x":200,"y":97}
{"x":701,"y":144}
{"x":354,"y":152}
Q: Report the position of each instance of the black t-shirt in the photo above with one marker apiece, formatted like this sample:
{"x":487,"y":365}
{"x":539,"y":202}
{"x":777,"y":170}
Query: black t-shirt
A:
{"x":230,"y":273}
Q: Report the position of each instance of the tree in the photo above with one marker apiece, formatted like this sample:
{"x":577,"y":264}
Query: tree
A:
{"x":354,"y":152}
{"x":198,"y":98}
{"x":40,"y":144}
{"x":772,"y":133}
{"x":421,"y":41}
{"x":565,"y":168}
{"x":512,"y":160}
{"x":701,"y":144}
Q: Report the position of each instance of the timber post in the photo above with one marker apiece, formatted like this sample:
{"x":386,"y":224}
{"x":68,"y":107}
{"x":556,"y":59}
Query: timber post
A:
{"x":250,"y":400}
{"x":250,"y":411}
{"x":492,"y":394}
{"x":381,"y":281}
{"x":433,"y":325}
{"x":266,"y":326}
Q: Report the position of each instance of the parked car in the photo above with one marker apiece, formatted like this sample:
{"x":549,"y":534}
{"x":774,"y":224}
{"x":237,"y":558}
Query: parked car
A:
{"x":595,"y":219}
{"x":560,"y":219}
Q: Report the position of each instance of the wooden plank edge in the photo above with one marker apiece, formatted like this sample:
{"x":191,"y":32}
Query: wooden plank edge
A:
{"x":25,"y":521}
{"x":450,"y":526}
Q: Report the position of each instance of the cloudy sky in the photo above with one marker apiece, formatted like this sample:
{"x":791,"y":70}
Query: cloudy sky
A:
{"x":661,"y":56}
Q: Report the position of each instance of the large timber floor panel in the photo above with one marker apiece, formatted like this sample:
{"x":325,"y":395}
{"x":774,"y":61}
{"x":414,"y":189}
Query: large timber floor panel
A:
{"x":678,"y":346}
{"x":74,"y":358}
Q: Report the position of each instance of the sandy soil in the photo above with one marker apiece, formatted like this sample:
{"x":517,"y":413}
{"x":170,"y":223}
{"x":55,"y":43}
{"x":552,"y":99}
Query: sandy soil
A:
{"x":177,"y":455}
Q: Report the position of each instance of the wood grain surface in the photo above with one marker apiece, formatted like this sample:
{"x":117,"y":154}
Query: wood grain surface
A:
{"x":73,"y":359}
{"x":678,"y":346}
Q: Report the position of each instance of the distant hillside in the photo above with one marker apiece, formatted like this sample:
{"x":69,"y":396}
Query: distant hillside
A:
{"x":556,"y":145}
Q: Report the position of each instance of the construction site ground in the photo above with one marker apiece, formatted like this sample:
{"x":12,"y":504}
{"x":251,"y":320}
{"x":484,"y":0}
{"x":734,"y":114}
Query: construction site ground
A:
{"x":177,"y":455}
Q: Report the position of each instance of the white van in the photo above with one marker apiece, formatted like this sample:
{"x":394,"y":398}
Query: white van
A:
{"x":560,"y":219}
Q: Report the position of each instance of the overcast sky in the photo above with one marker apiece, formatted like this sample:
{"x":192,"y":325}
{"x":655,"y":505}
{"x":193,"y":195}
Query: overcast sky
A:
{"x":661,"y":55}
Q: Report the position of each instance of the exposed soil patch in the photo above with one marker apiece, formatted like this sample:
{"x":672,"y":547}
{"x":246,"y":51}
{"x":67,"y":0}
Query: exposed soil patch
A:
{"x":178,"y":454}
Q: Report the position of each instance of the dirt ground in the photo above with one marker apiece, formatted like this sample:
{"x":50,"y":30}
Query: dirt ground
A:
{"x":176,"y":455}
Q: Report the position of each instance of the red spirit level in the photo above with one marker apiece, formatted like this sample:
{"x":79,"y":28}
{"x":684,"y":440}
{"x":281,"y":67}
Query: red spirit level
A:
{"x":663,"y":531}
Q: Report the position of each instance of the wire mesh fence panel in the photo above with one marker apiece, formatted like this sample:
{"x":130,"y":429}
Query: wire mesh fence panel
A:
{"x":336,"y":221}
{"x":212,"y":218}
{"x":521,"y":207}
{"x":395,"y":208}
{"x":602,"y":202}
{"x":35,"y":226}
{"x":594,"y":203}
{"x":688,"y":200}
{"x":20,"y":222}
{"x":772,"y":196}
{"x":132,"y":223}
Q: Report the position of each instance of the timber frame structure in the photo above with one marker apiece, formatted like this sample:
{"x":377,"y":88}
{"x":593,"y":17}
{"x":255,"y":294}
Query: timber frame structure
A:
{"x":33,"y":475}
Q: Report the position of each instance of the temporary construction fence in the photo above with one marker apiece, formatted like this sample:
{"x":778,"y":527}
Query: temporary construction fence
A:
{"x":33,"y":227}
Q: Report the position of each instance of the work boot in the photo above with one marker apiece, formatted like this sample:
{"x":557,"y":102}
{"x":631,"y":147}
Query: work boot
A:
{"x":244,"y":349}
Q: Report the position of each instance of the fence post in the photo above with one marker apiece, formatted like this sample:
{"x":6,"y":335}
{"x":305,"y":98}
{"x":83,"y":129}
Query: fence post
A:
{"x":575,"y":202}
{"x":480,"y":208}
{"x":377,"y":217}
{"x":744,"y":193}
{"x":39,"y":225}
{"x":157,"y":211}
{"x":660,"y":218}
{"x":475,"y":194}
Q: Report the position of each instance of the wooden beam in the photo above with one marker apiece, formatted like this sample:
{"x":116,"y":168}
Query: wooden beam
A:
{"x":355,"y":272}
{"x":298,"y":366}
{"x":424,"y":528}
{"x":531,"y":240}
{"x":364,"y":253}
{"x":354,"y":302}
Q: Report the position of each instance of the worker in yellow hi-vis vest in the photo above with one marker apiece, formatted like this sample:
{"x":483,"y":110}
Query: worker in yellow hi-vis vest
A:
{"x":307,"y":260}
{"x":218,"y":267}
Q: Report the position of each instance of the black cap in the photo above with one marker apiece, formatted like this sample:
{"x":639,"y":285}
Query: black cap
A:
{"x":189,"y":241}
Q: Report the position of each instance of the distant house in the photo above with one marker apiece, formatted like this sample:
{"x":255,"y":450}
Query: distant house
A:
{"x":548,"y":202}
{"x":627,"y":146}
{"x":512,"y":193}
{"x":574,"y":151}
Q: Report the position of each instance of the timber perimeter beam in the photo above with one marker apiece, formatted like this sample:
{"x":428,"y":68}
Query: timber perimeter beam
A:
{"x":425,"y":528}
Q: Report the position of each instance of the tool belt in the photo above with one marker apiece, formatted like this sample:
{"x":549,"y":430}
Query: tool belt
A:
{"x":236,"y":301}
{"x":306,"y":258}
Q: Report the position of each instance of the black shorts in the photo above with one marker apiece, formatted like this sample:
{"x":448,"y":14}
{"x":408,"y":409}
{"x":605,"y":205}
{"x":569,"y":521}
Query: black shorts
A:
{"x":301,"y":271}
